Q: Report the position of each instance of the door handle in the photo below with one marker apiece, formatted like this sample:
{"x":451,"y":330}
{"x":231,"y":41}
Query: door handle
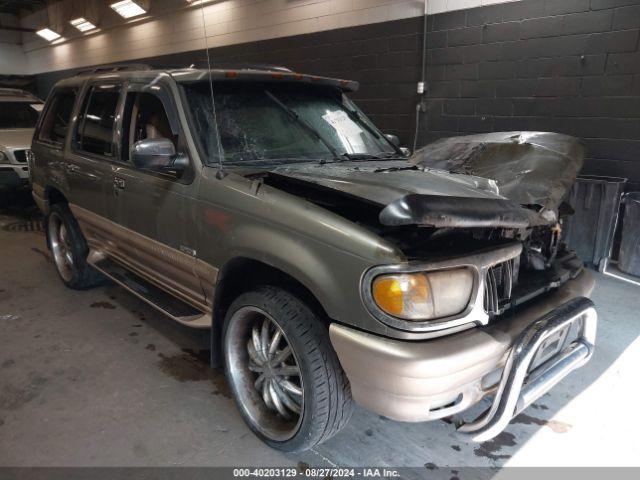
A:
{"x":119,"y":183}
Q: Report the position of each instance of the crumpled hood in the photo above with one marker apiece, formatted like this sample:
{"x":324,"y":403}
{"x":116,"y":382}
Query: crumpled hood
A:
{"x":416,"y":195}
{"x":530,"y":168}
{"x":16,"y":138}
{"x":383,"y":182}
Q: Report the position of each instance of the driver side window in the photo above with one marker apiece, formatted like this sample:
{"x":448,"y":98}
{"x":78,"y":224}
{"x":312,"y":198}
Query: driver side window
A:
{"x":145,"y":118}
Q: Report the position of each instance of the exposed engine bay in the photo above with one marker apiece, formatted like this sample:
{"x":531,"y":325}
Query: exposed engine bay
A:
{"x":457,"y":196}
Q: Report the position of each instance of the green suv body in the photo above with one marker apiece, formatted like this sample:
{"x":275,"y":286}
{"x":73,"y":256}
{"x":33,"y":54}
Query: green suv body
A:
{"x":264,"y":205}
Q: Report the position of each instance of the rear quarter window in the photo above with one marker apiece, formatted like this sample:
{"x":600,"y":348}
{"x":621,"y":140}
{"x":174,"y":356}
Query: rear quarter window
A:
{"x":57,"y":117}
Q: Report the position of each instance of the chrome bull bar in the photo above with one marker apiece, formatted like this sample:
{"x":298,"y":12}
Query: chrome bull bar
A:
{"x":519,"y":387}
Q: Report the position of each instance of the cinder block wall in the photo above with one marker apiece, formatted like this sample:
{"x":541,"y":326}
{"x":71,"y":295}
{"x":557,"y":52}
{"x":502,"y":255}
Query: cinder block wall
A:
{"x":570,"y":66}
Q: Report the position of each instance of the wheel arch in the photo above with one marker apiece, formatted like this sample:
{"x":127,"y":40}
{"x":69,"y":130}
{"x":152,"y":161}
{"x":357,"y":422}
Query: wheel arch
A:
{"x":51,"y":196}
{"x":54,"y":195}
{"x":234,"y":280}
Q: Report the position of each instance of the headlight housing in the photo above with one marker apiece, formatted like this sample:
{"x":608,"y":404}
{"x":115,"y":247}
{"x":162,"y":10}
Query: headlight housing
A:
{"x":421,"y":296}
{"x":433,"y":298}
{"x":3,"y":157}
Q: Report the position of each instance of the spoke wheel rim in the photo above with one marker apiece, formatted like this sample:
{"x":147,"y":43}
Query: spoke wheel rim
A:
{"x":264,"y":373}
{"x":61,"y":246}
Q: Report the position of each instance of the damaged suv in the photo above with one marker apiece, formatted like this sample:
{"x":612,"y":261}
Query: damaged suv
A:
{"x":330,"y":267}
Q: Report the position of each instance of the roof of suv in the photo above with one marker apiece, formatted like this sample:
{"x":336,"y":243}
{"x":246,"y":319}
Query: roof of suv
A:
{"x":260,"y":73}
{"x":16,"y":95}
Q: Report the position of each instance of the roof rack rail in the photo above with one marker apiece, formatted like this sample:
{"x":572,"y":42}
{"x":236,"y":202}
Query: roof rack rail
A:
{"x":16,"y":92}
{"x":236,"y":66}
{"x":254,"y":66}
{"x":121,"y":67}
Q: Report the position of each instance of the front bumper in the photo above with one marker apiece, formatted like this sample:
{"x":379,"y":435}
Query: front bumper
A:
{"x":11,"y":171}
{"x":522,"y":381}
{"x":419,"y":381}
{"x":13,"y":176}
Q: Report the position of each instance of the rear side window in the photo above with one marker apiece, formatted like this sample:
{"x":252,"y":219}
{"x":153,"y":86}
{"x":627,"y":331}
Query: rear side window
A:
{"x":57,"y":117}
{"x":97,"y":119}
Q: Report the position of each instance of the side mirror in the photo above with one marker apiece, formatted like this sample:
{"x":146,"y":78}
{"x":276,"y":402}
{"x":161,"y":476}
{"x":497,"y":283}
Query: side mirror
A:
{"x":156,"y":154}
{"x":393,"y":139}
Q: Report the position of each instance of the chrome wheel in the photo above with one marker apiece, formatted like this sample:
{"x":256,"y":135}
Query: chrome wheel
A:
{"x":264,"y":373}
{"x":60,"y":242}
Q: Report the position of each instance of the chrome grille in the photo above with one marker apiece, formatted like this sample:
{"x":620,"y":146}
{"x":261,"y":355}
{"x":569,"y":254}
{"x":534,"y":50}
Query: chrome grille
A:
{"x":20,"y":156}
{"x":499,"y":284}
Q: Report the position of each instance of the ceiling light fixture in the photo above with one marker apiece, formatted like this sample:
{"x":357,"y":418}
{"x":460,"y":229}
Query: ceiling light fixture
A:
{"x":82,"y":24}
{"x":48,"y":34}
{"x":128,"y":8}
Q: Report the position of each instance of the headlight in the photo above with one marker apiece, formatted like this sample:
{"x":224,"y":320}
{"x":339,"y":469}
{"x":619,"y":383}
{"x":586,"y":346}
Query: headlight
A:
{"x":3,"y":158}
{"x":423,"y":295}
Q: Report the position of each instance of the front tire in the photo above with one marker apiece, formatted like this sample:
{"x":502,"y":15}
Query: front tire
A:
{"x":69,"y":249}
{"x":285,"y":377}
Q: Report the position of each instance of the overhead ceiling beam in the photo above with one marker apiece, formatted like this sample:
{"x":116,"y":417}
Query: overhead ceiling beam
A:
{"x":18,"y":29}
{"x":15,"y":7}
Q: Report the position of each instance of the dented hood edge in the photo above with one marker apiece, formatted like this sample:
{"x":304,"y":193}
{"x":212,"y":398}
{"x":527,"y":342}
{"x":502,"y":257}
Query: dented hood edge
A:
{"x":421,"y":197}
{"x":462,"y":212}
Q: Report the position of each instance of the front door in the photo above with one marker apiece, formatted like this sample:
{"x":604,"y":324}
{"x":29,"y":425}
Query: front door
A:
{"x":156,"y":209}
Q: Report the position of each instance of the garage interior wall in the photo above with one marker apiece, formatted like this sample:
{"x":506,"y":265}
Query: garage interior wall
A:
{"x":569,"y":66}
{"x":13,"y":61}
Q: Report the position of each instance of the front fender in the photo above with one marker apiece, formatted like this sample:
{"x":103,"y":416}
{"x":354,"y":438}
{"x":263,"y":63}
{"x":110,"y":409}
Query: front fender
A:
{"x":331,"y":275}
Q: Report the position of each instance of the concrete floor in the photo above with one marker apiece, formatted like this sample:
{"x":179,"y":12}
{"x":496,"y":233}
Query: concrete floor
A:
{"x":98,"y":378}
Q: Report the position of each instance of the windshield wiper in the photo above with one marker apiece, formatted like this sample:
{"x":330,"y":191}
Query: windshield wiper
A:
{"x":369,"y":156}
{"x":306,"y":125}
{"x":356,"y":117}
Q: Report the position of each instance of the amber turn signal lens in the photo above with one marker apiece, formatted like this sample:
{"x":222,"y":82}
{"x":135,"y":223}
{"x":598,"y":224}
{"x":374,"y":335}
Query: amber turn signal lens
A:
{"x":423,"y":295}
{"x":402,"y":295}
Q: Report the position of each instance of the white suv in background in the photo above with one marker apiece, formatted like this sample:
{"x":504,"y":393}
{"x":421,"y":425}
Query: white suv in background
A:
{"x":19,"y":111}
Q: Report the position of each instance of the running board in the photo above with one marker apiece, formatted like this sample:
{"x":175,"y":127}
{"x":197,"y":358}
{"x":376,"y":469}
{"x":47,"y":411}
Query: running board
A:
{"x":166,"y":303}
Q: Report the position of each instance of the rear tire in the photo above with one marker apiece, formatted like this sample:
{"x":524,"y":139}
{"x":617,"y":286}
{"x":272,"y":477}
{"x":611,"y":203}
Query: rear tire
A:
{"x":292,"y":401}
{"x":69,"y":249}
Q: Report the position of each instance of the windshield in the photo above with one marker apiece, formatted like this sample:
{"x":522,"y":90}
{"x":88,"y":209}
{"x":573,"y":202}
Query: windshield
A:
{"x":261,"y":123}
{"x":19,"y":114}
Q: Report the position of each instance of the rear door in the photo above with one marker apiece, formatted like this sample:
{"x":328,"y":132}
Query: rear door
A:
{"x":92,"y":150}
{"x":50,"y":139}
{"x":157,"y":209}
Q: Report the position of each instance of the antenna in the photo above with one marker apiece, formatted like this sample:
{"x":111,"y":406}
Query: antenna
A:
{"x":220,"y":174}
